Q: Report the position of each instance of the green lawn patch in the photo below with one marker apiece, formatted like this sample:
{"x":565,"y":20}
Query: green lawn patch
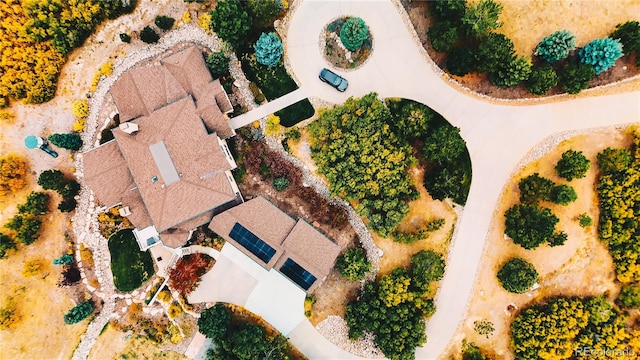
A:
{"x":295,"y":113}
{"x":130,"y":266}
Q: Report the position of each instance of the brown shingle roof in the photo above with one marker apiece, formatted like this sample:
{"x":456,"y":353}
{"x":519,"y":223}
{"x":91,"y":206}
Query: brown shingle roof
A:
{"x":139,"y":215}
{"x":296,"y":240}
{"x":215,"y":121}
{"x":310,"y":249}
{"x":174,"y":238}
{"x":196,"y":156}
{"x":107,"y":173}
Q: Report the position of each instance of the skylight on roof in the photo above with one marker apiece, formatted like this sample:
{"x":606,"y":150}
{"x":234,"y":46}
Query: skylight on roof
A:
{"x":164,"y":163}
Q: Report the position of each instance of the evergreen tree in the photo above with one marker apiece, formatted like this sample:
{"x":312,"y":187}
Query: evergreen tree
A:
{"x":543,"y":77}
{"x":601,"y":53}
{"x":556,"y":46}
{"x":148,"y":35}
{"x":353,"y":33}
{"x":66,"y":141}
{"x":231,"y":22}
{"x":268,"y":49}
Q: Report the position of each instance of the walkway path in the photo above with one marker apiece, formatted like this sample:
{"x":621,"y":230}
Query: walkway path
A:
{"x":268,"y":108}
{"x":498,"y":136}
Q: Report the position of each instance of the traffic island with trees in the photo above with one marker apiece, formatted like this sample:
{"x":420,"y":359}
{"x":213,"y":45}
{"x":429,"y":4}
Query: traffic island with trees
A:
{"x":348,"y":42}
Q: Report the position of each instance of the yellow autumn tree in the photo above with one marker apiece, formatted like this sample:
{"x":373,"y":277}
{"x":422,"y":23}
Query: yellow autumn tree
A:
{"x":272,"y":126}
{"x":13,"y":173}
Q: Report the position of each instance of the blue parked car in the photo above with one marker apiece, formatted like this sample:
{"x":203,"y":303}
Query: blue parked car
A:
{"x":334,"y":79}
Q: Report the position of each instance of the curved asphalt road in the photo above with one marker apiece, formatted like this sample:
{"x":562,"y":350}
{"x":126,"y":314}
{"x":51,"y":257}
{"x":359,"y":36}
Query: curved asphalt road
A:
{"x":498,"y":136}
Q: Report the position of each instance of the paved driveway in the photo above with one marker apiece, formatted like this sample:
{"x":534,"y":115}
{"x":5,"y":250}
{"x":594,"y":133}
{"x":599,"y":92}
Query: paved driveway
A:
{"x":498,"y":136}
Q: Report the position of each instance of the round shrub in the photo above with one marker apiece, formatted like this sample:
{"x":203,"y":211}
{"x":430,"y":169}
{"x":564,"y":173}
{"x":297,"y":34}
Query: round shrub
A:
{"x":443,"y":36}
{"x":164,"y":22}
{"x":353,"y":264}
{"x":217,"y":63}
{"x":517,"y":275}
{"x":281,"y":183}
{"x":629,"y":35}
{"x":124,"y":37}
{"x":556,"y":46}
{"x":542,"y":78}
{"x":461,"y":61}
{"x":268,"y":49}
{"x":601,"y":53}
{"x":353,"y":33}
{"x":512,"y":73}
{"x":572,"y":165}
{"x":148,"y":35}
{"x":576,"y":77}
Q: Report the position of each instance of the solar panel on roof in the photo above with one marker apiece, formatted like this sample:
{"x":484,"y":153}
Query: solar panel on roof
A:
{"x":252,"y":243}
{"x":298,"y":274}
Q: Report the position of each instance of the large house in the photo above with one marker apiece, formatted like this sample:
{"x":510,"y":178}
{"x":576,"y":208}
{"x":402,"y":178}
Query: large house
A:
{"x":168,"y":165}
{"x":275,"y":240}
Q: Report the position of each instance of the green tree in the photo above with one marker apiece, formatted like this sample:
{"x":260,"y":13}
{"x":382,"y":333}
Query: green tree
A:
{"x":78,"y":313}
{"x":426,"y":266}
{"x":37,"y":204}
{"x":563,"y":194}
{"x":411,"y":119}
{"x":353,"y":264}
{"x":461,"y":61}
{"x":558,"y":239}
{"x":51,"y":180}
{"x":572,"y":165}
{"x":534,"y":188}
{"x":517,"y":275}
{"x":394,"y":288}
{"x":600,"y":310}
{"x":512,"y":73}
{"x":613,"y":160}
{"x":585,"y":220}
{"x":164,"y":22}
{"x":576,"y":77}
{"x":353,"y":33}
{"x":556,"y":46}
{"x":66,"y":141}
{"x":629,"y":35}
{"x":70,"y":189}
{"x":444,"y":144}
{"x":6,"y":244}
{"x":630,"y":296}
{"x":148,"y":35}
{"x":494,"y":51}
{"x":268,"y":49}
{"x":452,"y":10}
{"x":448,"y":181}
{"x":217,"y":63}
{"x":601,"y":53}
{"x":264,"y":12}
{"x":214,"y":322}
{"x":27,"y":228}
{"x":443,"y":36}
{"x":231,"y":22}
{"x":481,"y":18}
{"x":543,"y":77}
{"x":248,"y":342}
{"x":67,"y":205}
{"x":529,"y":225}
{"x":124,"y":37}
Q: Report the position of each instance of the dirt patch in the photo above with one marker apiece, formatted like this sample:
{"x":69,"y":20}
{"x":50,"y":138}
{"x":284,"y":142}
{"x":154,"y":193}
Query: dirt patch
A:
{"x":582,"y":266}
{"x":526,"y":23}
{"x":114,"y":344}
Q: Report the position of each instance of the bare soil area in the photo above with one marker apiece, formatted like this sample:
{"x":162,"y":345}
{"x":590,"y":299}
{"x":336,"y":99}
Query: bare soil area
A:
{"x":581,"y":267}
{"x":527,"y":22}
{"x":114,"y":344}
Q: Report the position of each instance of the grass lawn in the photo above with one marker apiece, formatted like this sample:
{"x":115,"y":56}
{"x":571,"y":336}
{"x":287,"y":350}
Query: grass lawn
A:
{"x":295,"y":113}
{"x":130,"y":266}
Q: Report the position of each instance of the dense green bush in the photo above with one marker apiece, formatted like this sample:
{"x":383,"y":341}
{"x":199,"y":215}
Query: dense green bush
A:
{"x":601,"y":53}
{"x":214,"y":322}
{"x":542,"y":78}
{"x":613,"y":160}
{"x":450,"y":181}
{"x":529,"y":225}
{"x":268,"y":49}
{"x":353,"y":33}
{"x":149,"y":36}
{"x":630,"y":296}
{"x":572,"y":165}
{"x":426,"y":266}
{"x":78,"y":313}
{"x":512,"y":73}
{"x":281,"y":183}
{"x":629,"y":35}
{"x":558,"y":239}
{"x":576,"y":77}
{"x":517,"y":275}
{"x":27,"y":228}
{"x":217,"y":63}
{"x":585,"y":220}
{"x":67,"y":205}
{"x":6,"y":244}
{"x":411,"y":119}
{"x":37,"y":204}
{"x":231,"y":22}
{"x":443,"y":36}
{"x":461,"y":61}
{"x":264,"y":12}
{"x":451,"y":10}
{"x":556,"y":46}
{"x":364,"y":161}
{"x":563,"y":194}
{"x":70,"y":141}
{"x":444,"y":144}
{"x":353,"y":264}
{"x":481,"y":18}
{"x":51,"y":180}
{"x":534,"y":188}
{"x":124,"y":37}
{"x":164,"y":22}
{"x":494,"y":51}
